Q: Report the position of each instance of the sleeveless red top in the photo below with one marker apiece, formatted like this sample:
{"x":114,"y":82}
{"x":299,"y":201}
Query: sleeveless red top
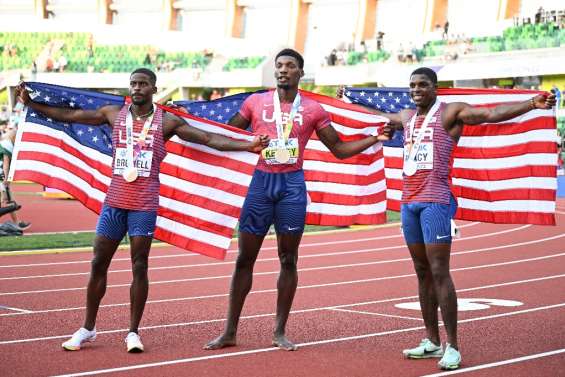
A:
{"x":431,"y":185}
{"x":143,"y":193}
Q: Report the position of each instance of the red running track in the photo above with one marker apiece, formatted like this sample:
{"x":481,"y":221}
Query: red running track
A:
{"x":344,"y":318}
{"x":50,"y":215}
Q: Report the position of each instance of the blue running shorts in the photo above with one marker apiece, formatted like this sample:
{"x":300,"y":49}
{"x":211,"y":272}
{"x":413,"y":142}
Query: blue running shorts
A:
{"x":427,"y":222}
{"x":114,"y":222}
{"x":278,"y":198}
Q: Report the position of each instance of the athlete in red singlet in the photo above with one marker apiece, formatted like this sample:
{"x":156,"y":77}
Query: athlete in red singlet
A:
{"x":430,"y":133}
{"x":138,"y":137}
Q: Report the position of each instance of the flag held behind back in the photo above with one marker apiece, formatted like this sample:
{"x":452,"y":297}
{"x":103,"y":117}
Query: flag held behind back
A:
{"x":502,"y":173}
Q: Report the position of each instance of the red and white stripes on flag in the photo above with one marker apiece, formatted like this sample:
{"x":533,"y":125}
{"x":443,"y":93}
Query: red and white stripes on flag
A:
{"x":502,"y":173}
{"x":202,"y":189}
{"x":350,"y":191}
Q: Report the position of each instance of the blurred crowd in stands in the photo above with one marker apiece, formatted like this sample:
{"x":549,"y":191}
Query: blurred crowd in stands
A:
{"x":544,"y":29}
{"x":9,"y":121}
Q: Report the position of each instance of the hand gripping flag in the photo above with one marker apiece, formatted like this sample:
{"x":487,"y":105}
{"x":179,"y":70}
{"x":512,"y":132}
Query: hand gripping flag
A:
{"x":202,"y":190}
{"x":342,"y":192}
{"x":502,"y":173}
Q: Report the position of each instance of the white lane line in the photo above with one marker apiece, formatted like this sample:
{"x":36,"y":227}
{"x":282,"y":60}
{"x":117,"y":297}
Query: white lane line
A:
{"x":375,"y":314}
{"x":357,"y":304}
{"x":499,"y":363}
{"x":347,"y":282}
{"x":22,"y":311}
{"x":211,"y":264}
{"x":187,"y":254}
{"x":307,"y":344}
{"x":303,"y":269}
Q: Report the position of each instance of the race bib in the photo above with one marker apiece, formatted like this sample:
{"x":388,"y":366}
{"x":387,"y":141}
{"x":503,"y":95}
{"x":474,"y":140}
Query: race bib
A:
{"x":142,"y":162}
{"x":423,"y":158}
{"x":269,"y":153}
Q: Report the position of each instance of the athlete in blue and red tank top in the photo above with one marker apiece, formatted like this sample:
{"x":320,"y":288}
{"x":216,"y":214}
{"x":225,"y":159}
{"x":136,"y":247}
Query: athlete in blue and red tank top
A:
{"x":133,"y":196}
{"x":277,"y":193}
{"x":430,"y":135}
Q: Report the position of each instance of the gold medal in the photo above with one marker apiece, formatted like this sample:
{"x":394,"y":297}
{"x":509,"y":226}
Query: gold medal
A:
{"x":410,"y":167}
{"x":282,"y":155}
{"x":130,"y":174}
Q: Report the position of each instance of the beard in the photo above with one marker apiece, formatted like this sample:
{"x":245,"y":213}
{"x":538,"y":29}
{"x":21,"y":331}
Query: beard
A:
{"x":139,"y":101}
{"x":283,"y":86}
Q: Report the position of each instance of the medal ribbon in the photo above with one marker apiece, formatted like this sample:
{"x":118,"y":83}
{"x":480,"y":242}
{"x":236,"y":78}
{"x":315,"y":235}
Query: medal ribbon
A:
{"x":283,"y":131}
{"x":416,"y":145}
{"x":129,"y":136}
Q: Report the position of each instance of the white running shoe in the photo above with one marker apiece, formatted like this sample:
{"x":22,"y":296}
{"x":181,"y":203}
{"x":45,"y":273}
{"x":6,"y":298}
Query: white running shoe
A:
{"x":133,"y":341}
{"x":451,"y":358}
{"x":425,"y":350}
{"x":79,"y":337}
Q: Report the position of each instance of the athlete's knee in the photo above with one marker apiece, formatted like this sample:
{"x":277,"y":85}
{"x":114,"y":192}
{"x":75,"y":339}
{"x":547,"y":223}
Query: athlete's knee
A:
{"x":422,"y":270}
{"x":288,"y":261}
{"x":100,"y":265}
{"x":139,"y":267}
{"x":244,"y":262}
{"x":440,"y":272}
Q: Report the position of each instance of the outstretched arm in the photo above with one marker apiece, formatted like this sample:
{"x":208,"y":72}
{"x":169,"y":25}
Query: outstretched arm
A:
{"x":467,"y":114}
{"x":238,"y":121}
{"x":174,"y":125}
{"x":395,"y":119}
{"x":342,"y":149}
{"x":105,"y":114}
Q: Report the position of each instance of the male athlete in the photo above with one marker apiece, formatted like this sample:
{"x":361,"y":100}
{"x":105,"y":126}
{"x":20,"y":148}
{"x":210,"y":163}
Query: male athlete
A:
{"x":278,"y":191}
{"x":430,"y":135}
{"x":138,"y":142}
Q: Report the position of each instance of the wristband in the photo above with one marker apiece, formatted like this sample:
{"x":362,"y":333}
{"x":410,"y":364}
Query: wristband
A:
{"x":532,"y":103}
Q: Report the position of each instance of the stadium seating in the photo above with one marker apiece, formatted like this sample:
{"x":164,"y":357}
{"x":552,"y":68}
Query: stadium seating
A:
{"x":527,"y":36}
{"x":243,"y":63}
{"x":104,"y":58}
{"x":522,"y":37}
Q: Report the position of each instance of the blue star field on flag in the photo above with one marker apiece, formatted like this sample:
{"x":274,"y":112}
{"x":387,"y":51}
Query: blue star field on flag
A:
{"x":219,"y":110}
{"x":97,"y":137}
{"x":386,"y":100}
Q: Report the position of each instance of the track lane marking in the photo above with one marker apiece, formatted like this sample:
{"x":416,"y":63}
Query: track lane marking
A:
{"x":22,"y":311}
{"x":211,"y":264}
{"x":188,"y":254}
{"x":364,"y":303}
{"x":499,"y":363}
{"x":300,"y":270}
{"x":375,"y":314}
{"x":306,"y":344}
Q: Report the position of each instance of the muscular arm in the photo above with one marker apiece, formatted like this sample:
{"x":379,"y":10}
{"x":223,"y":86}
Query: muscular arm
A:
{"x":467,"y":114}
{"x":458,"y":113}
{"x":342,"y":149}
{"x":105,"y":114}
{"x":174,"y":125}
{"x":238,"y":121}
{"x":395,"y":119}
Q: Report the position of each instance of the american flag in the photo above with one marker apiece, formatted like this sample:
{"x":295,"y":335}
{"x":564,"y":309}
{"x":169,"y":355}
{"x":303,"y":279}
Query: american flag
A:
{"x":202,"y":190}
{"x":342,"y":192}
{"x":502,"y":173}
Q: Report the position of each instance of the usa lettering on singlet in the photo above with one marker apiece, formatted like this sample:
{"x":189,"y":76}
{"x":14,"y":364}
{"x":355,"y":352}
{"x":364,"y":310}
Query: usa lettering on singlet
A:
{"x":259,"y":110}
{"x":143,"y":193}
{"x":434,"y":159}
